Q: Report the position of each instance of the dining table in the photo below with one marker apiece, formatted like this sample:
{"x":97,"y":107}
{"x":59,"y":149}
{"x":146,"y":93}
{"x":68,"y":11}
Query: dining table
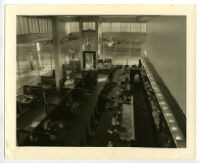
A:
{"x":24,"y":102}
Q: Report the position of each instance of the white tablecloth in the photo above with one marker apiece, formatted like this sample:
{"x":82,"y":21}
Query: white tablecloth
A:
{"x":128,"y":122}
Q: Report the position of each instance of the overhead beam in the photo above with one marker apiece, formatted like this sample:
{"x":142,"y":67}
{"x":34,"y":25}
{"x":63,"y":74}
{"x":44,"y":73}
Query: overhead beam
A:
{"x":106,"y":18}
{"x":96,"y":18}
{"x":119,"y":20}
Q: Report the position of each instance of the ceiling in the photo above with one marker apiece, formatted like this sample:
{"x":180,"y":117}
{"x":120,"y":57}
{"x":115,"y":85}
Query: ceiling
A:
{"x":106,"y":18}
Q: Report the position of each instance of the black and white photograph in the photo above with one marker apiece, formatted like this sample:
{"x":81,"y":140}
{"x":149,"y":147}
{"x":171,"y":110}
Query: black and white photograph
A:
{"x":101,"y":81}
{"x":121,"y":81}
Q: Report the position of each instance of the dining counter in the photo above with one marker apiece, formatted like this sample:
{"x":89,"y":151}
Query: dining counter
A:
{"x":76,"y":131}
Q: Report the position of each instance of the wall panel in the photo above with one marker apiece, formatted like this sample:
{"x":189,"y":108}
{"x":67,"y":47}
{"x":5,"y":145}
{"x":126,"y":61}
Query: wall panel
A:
{"x":166,"y":49}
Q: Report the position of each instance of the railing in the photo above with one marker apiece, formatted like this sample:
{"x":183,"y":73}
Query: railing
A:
{"x":177,"y":134}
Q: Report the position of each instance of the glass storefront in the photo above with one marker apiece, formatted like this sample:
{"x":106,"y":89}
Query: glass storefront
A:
{"x":33,"y":60}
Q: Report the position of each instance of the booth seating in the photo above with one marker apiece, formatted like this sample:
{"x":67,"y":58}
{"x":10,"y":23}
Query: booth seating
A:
{"x":25,"y":102}
{"x":103,"y":70}
{"x":54,"y":129}
{"x":108,"y":60}
{"x":49,"y":84}
{"x":32,"y":95}
{"x":97,"y":113}
{"x":100,"y":61}
{"x":48,"y":80}
{"x":73,"y":67}
{"x":35,"y":91}
{"x":90,"y":131}
{"x":111,"y":73}
{"x":32,"y":90}
{"x":89,"y":136}
{"x":78,"y":82}
{"x":94,"y":122}
{"x":133,"y":71}
{"x":109,"y":109}
{"x":49,"y":130}
{"x":89,"y":77}
{"x":61,"y":86}
{"x":67,"y":86}
{"x":72,"y":77}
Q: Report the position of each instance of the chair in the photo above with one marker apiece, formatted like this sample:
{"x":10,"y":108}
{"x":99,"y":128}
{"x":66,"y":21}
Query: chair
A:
{"x":93,"y":123}
{"x":33,"y":90}
{"x":83,"y":142}
{"x":61,"y":86}
{"x":48,"y":80}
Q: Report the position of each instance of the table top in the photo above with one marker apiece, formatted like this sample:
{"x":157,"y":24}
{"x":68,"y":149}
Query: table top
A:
{"x":46,"y":87}
{"x":25,"y":99}
{"x":128,"y":122}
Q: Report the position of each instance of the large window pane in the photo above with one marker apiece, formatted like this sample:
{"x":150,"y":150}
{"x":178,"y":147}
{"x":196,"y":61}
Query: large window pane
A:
{"x":71,"y":27}
{"x":88,"y":25}
{"x":115,"y":27}
{"x":125,"y":27}
{"x":47,"y":63}
{"x":33,"y":60}
{"x":74,"y":26}
{"x":135,"y":27}
{"x":105,"y":27}
{"x":27,"y":67}
{"x":143,"y":27}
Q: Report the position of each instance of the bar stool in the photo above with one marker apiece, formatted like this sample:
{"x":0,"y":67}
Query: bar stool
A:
{"x":89,"y":136}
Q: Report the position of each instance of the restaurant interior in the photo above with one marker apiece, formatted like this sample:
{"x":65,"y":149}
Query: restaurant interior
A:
{"x":101,"y":81}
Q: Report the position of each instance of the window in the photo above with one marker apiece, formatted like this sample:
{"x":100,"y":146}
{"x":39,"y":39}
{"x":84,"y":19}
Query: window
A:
{"x":22,"y":25}
{"x":143,"y":27}
{"x":74,"y":26}
{"x":88,"y":25}
{"x":135,"y":27}
{"x":28,"y":24}
{"x":115,"y":27}
{"x":105,"y":27}
{"x":125,"y":27}
{"x":71,"y":27}
{"x":33,"y":60}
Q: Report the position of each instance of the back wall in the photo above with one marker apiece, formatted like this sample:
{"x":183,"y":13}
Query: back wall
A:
{"x":166,"y":49}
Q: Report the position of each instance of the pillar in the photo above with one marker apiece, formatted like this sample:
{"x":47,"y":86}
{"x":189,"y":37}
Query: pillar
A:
{"x":81,"y":43}
{"x":99,"y":52}
{"x":56,"y":51}
{"x":96,"y":36}
{"x":38,"y":55}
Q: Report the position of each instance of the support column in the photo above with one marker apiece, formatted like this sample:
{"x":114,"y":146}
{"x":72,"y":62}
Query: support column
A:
{"x":99,"y":39}
{"x":38,"y":55}
{"x":81,"y":43}
{"x":56,"y":51}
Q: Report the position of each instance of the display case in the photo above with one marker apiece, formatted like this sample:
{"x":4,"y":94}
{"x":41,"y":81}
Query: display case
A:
{"x":89,"y":60}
